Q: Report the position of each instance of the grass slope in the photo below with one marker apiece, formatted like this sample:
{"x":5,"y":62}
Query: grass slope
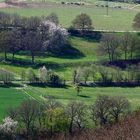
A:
{"x":87,"y":96}
{"x":64,"y":66}
{"x":10,"y":97}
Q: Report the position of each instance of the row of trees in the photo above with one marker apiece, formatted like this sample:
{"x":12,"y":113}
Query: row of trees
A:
{"x":44,"y":77}
{"x":116,"y":47}
{"x":14,"y":20}
{"x":106,"y":75}
{"x":40,"y":35}
{"x":52,"y":117}
{"x":82,"y":21}
{"x":32,"y":35}
{"x":29,"y":76}
{"x":85,"y":75}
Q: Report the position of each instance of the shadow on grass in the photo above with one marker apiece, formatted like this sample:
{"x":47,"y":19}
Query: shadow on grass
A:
{"x":90,"y":36}
{"x":9,"y":85}
{"x":113,"y":84}
{"x":123,"y":63}
{"x":71,"y":53}
{"x":27,"y":63}
{"x":68,"y":51}
{"x":48,"y":85}
{"x":84,"y":96}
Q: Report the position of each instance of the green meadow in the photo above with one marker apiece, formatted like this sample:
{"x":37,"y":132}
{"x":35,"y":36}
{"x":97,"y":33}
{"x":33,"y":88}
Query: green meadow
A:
{"x":10,"y":97}
{"x":88,"y":94}
{"x":118,"y":19}
{"x":63,"y":65}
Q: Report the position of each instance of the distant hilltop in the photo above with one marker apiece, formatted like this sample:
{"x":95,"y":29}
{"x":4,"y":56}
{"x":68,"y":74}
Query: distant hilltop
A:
{"x":20,"y":3}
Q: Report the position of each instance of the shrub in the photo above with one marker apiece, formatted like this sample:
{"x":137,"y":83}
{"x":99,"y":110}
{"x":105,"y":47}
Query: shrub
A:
{"x":8,"y":128}
{"x":31,"y":76}
{"x":6,"y":77}
{"x":55,"y":80}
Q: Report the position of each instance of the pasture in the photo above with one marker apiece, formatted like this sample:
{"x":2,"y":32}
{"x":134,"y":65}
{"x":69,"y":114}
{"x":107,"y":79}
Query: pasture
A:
{"x":118,"y":19}
{"x":88,"y":94}
{"x":10,"y":97}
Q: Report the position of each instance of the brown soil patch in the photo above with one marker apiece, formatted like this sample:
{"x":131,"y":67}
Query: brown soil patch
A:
{"x":5,"y":5}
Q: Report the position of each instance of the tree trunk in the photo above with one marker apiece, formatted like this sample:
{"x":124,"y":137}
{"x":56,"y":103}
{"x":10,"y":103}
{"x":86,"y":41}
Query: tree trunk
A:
{"x":13,"y":57}
{"x":109,"y":55}
{"x":116,"y":118}
{"x":125,"y":55}
{"x":5,"y":55}
{"x":33,"y":59}
{"x":70,"y":128}
{"x":131,"y":55}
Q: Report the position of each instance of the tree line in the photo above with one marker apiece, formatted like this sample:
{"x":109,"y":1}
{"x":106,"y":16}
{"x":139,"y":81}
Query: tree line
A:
{"x":33,"y":35}
{"x":32,"y":119}
{"x":125,"y":46}
{"x":36,"y":35}
{"x":29,"y":76}
{"x":96,"y":75}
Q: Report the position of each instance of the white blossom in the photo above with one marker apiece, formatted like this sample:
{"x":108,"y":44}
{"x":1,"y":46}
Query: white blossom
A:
{"x":53,"y":28}
{"x":43,"y":74}
{"x":8,"y":126}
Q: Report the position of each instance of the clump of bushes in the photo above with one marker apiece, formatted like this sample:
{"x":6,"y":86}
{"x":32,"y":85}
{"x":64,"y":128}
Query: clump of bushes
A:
{"x":44,"y":77}
{"x":6,"y":77}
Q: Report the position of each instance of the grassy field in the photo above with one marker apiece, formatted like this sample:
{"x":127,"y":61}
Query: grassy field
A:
{"x":118,"y":19}
{"x":64,"y":65}
{"x":10,"y":97}
{"x":87,"y":96}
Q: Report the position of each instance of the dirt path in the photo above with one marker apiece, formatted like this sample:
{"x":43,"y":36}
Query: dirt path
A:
{"x":4,"y":5}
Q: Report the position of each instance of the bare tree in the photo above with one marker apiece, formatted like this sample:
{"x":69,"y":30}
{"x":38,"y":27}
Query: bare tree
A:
{"x":4,"y":43}
{"x":126,"y":38}
{"x":32,"y":42}
{"x":134,"y":44}
{"x":119,"y":107}
{"x":76,"y":114}
{"x":108,"y":109}
{"x":15,"y":42}
{"x":100,"y":110}
{"x":27,"y":114}
{"x":74,"y":76}
{"x":78,"y":88}
{"x":109,"y":45}
{"x":85,"y":74}
{"x":104,"y":73}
